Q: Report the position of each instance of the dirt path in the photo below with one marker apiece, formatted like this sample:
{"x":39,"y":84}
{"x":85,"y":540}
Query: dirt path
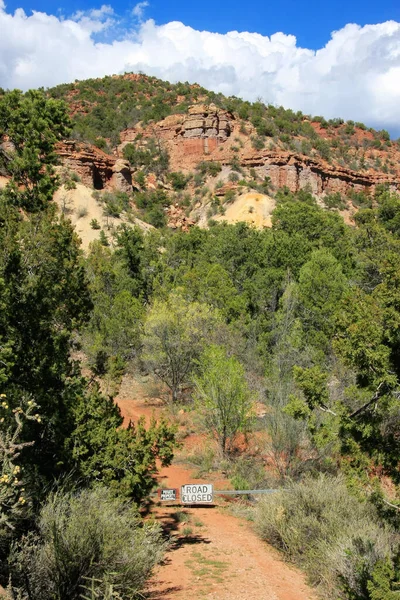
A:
{"x":214,"y":555}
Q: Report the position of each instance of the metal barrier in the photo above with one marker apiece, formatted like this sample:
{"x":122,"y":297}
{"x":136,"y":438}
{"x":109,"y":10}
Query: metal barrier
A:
{"x":249,"y":492}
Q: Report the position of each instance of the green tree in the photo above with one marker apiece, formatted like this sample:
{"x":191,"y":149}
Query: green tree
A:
{"x":175,"y":334}
{"x":321,"y":285}
{"x":32,"y":124}
{"x":45,"y":299}
{"x":123,"y":459}
{"x":112,"y":335}
{"x":222,"y":396}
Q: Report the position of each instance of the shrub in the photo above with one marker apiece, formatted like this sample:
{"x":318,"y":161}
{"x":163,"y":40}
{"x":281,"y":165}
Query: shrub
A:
{"x":151,"y":157}
{"x":229,"y":196}
{"x":94,"y":224}
{"x":333,"y":536}
{"x":101,"y":143}
{"x":335,"y":200}
{"x":103,"y":239}
{"x":385,"y":135}
{"x":248,"y":473}
{"x":257,"y":143}
{"x":70,"y":184}
{"x":140,"y":179}
{"x":155,"y":216}
{"x":178,"y":180}
{"x":235,"y":164}
{"x":87,"y":541}
{"x":115,"y":203}
{"x":75,"y":177}
{"x":234,"y":177}
{"x":214,"y":168}
{"x":209,"y":168}
{"x":81,"y":212}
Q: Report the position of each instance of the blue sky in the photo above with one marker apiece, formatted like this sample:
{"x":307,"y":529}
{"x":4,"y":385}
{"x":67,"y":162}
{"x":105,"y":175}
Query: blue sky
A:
{"x":311,"y":21}
{"x":337,"y":59}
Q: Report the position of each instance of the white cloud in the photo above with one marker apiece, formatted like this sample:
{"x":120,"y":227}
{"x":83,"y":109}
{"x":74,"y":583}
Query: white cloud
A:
{"x":356,"y":75}
{"x":138,"y":10}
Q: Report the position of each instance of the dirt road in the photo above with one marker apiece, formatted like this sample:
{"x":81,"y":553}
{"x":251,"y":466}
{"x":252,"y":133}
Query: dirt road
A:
{"x":214,"y":555}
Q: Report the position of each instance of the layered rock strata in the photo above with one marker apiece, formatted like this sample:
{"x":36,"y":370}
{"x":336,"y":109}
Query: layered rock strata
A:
{"x":296,"y":172}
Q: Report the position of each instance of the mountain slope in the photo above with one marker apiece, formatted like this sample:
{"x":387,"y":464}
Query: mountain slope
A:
{"x":135,"y":133}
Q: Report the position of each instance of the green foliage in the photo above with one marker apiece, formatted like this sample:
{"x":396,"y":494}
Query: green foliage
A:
{"x":212,"y":285}
{"x":222,"y":396}
{"x":103,"y":239}
{"x":211,"y":168}
{"x":335,"y":201}
{"x":123,"y":459}
{"x":150,"y":156}
{"x":321,"y":286}
{"x":113,"y":333}
{"x":94,"y":224}
{"x":87,"y":542}
{"x":176,"y":332}
{"x":45,"y":299}
{"x":151,"y":205}
{"x":32,"y":124}
{"x":115,"y":203}
{"x":178,"y":180}
{"x":257,"y":143}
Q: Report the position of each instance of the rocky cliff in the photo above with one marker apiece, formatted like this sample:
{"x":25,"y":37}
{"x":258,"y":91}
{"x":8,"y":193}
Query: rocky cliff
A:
{"x":207,"y":133}
{"x":95,"y":168}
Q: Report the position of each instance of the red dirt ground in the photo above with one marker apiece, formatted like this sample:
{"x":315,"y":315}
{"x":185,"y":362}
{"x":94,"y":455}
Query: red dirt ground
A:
{"x":213,"y":554}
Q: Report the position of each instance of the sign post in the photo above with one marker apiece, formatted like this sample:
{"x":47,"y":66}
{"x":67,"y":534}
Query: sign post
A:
{"x":197,"y":493}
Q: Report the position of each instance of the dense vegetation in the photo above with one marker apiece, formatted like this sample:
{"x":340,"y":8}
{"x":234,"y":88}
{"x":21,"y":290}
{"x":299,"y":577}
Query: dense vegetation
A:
{"x":302,"y":318}
{"x":60,"y":437}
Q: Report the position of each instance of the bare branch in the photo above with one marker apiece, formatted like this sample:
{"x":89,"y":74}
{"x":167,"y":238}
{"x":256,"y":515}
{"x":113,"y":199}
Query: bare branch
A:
{"x":381,"y":390}
{"x":390,"y":504}
{"x":327,"y":410}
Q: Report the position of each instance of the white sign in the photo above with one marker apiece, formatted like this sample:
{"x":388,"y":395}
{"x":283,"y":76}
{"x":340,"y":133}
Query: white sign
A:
{"x":197,"y":493}
{"x":167,"y":495}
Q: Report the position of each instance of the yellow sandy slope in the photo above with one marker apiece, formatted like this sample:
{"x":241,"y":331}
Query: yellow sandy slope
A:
{"x":80,"y":206}
{"x":252,"y":208}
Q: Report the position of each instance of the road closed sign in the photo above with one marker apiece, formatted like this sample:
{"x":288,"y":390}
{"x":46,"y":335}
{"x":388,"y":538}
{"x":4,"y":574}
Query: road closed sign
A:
{"x":197,"y":493}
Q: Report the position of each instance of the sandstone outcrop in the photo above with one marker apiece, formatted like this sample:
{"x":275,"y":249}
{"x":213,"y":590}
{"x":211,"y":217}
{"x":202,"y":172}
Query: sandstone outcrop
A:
{"x":195,"y":134}
{"x":207,"y":121}
{"x":296,"y":172}
{"x":122,"y":176}
{"x":94,"y":167}
{"x":206,"y":132}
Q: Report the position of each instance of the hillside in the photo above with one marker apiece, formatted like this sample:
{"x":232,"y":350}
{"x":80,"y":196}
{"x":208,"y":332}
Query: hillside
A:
{"x":254,"y":356}
{"x":183,"y":154}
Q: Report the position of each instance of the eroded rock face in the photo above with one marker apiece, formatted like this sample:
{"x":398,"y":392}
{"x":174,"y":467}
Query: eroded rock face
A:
{"x":206,"y":132}
{"x":177,"y":218}
{"x":298,"y":172}
{"x":207,"y":121}
{"x":94,"y":167}
{"x":122,"y":176}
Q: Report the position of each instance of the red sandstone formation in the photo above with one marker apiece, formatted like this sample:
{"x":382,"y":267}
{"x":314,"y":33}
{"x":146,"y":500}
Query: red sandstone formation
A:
{"x":207,"y":133}
{"x":297,"y":172}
